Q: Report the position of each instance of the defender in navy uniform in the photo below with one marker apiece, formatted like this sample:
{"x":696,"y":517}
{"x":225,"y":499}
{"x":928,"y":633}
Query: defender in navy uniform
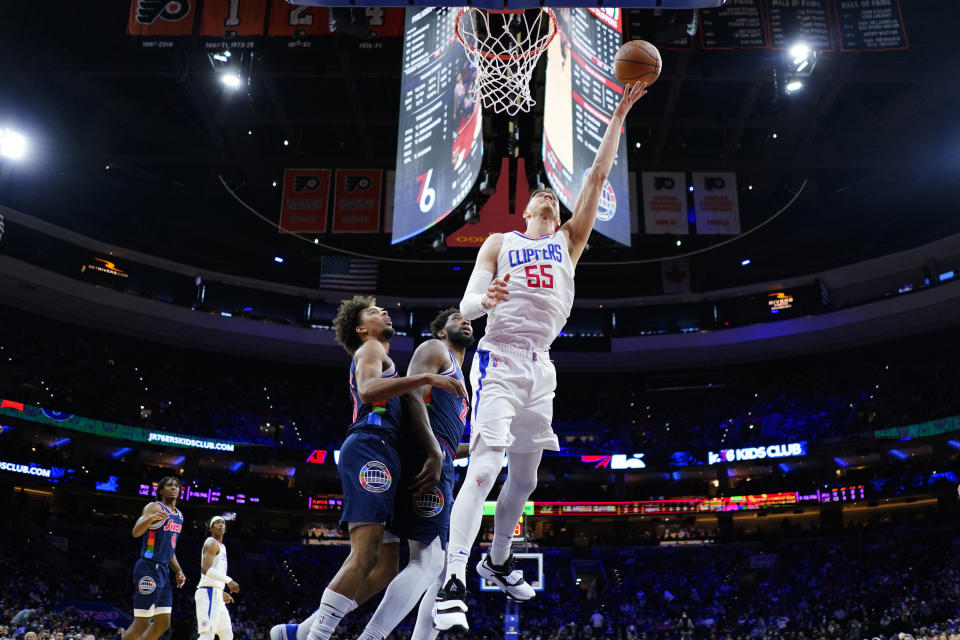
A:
{"x":369,"y":463}
{"x":424,"y":518}
{"x":162,"y":523}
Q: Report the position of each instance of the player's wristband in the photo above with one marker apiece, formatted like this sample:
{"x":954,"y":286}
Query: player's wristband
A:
{"x":471,"y":307}
{"x":215,"y":574}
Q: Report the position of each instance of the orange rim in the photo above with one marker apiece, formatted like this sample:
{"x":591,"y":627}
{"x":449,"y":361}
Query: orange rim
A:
{"x":491,"y":56}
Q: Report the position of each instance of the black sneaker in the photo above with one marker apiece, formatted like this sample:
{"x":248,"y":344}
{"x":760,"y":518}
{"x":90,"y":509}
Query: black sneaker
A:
{"x":450,"y":610}
{"x":507,"y":577}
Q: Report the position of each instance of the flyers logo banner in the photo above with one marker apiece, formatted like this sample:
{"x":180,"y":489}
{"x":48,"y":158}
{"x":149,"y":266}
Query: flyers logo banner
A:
{"x":665,"y":202}
{"x":170,"y":10}
{"x":715,"y":203}
{"x":158,"y":21}
{"x":357,"y":202}
{"x":303,"y":207}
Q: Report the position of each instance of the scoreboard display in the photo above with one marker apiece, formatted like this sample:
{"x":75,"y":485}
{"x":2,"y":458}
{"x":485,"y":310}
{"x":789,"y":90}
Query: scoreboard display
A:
{"x":440,"y":149}
{"x":581,"y":93}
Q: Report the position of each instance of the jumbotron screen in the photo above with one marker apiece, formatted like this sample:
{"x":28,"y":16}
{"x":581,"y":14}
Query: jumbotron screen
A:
{"x":581,"y":94}
{"x":440,"y":149}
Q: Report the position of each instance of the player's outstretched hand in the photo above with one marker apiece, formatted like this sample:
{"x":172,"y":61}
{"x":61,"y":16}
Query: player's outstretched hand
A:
{"x":233,"y":586}
{"x":496,"y":292}
{"x":448,"y":384}
{"x":631,"y":93}
{"x":429,"y":475}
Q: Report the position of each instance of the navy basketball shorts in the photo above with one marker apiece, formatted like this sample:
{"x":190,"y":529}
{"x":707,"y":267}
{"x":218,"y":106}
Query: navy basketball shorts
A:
{"x":370,"y":473}
{"x":152,"y":591}
{"x":427,"y":516}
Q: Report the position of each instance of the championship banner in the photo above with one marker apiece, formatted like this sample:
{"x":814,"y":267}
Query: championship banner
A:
{"x":232,"y":24}
{"x":304,"y":204}
{"x":665,"y":203}
{"x":299,"y":24}
{"x":159,"y":22}
{"x":356,"y":205}
{"x":715,"y":203}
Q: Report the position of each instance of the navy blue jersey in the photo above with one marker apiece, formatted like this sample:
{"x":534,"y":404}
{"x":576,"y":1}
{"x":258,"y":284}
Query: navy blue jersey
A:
{"x":160,"y":540}
{"x":383,"y":416}
{"x":447,"y":411}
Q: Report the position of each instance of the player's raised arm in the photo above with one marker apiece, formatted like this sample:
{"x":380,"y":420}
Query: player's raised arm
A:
{"x":430,"y":357}
{"x":373,"y":387}
{"x":484,"y":291}
{"x":152,"y":513}
{"x":578,"y":227}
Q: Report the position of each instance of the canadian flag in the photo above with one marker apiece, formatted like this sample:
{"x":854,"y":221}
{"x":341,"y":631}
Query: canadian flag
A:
{"x":675,"y":275}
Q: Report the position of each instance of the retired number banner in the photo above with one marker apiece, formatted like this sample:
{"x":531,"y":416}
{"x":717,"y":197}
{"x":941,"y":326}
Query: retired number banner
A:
{"x":356,"y":207}
{"x":158,"y":22}
{"x":304,"y":204}
{"x":232,"y":24}
{"x":715,"y":203}
{"x":298,"y":23}
{"x":665,"y":203}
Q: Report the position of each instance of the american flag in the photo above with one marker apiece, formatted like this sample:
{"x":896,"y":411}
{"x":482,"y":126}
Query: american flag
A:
{"x":355,"y":275}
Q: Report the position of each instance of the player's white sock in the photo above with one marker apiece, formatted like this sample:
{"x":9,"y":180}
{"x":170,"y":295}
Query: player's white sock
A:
{"x":303,"y":629}
{"x":425,"y":566}
{"x":424,"y":629}
{"x":485,"y":465}
{"x":333,"y":607}
{"x":521,"y":481}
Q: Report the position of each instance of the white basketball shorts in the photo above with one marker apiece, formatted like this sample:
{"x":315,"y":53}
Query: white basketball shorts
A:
{"x":213,"y":618}
{"x":513,"y":393}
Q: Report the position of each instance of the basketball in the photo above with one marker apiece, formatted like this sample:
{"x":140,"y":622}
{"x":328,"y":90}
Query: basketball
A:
{"x":637,"y":61}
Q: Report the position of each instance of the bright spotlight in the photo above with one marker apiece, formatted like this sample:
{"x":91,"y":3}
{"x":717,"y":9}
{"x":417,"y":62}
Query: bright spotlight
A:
{"x":12,"y":144}
{"x":231,"y":80}
{"x":794,"y":86}
{"x":800,"y":52}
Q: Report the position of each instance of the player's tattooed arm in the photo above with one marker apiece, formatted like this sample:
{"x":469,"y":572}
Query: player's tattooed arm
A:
{"x":152,"y":513}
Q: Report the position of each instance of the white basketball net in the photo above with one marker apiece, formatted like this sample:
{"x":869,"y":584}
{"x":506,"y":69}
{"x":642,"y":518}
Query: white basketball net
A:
{"x":504,"y":47}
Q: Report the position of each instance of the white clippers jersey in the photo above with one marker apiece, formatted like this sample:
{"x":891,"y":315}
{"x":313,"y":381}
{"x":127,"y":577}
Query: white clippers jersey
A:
{"x":220,"y":563}
{"x":541,"y":291}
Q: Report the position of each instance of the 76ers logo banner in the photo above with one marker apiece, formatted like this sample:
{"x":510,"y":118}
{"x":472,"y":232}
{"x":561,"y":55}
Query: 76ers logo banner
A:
{"x":159,"y":21}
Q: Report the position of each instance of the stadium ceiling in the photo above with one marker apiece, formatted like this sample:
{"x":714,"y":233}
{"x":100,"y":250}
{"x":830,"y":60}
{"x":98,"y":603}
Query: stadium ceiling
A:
{"x":127,"y":145}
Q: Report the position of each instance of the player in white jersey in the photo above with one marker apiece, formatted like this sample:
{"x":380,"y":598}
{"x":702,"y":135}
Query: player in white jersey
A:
{"x":212,"y":615}
{"x":524,"y":283}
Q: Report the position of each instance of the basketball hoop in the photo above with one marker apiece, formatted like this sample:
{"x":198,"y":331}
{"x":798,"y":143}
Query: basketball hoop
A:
{"x":504,"y":46}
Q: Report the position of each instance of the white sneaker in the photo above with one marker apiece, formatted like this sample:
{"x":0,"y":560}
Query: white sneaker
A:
{"x":507,"y":577}
{"x":450,"y":611}
{"x":283,"y":632}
